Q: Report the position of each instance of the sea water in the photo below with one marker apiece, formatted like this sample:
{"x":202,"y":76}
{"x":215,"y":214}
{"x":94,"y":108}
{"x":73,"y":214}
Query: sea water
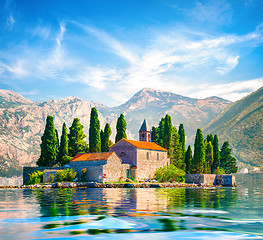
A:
{"x":112,"y":213}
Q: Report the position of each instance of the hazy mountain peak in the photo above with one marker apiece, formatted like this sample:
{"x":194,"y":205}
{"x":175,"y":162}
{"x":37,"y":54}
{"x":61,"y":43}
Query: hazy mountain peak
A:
{"x":11,"y":99}
{"x":70,"y":99}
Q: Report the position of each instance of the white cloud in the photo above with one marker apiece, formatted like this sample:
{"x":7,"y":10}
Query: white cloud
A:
{"x":10,"y":22}
{"x":171,"y":60}
{"x":43,"y":32}
{"x":231,"y":91}
{"x":117,"y":47}
{"x":98,"y":77}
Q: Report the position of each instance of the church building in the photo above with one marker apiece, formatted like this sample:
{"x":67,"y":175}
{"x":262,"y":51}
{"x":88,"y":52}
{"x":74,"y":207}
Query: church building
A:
{"x":144,"y":157}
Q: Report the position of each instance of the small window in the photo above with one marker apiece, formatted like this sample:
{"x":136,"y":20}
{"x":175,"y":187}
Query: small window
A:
{"x":122,"y":154}
{"x":148,"y":155}
{"x":158,"y":157}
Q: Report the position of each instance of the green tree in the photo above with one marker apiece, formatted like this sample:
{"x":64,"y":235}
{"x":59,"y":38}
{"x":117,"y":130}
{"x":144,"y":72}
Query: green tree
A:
{"x":94,"y":131}
{"x":210,"y":138}
{"x":182,"y":137}
{"x":168,"y":128}
{"x":101,"y":140}
{"x":209,"y":157}
{"x":227,"y":162}
{"x":121,"y":128}
{"x":57,"y":138}
{"x":176,"y":152}
{"x":161,"y":133}
{"x":63,"y":148}
{"x":199,"y":153}
{"x":76,"y":142}
{"x":216,"y":155}
{"x":49,"y":144}
{"x":106,"y":142}
{"x":154,"y":135}
{"x":188,"y":159}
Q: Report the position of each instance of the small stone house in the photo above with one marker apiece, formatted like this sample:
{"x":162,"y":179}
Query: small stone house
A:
{"x":101,"y":167}
{"x":144,"y":157}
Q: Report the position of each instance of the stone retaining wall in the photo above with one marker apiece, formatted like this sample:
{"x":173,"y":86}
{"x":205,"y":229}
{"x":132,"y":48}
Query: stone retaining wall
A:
{"x":211,"y":179}
{"x":29,"y":170}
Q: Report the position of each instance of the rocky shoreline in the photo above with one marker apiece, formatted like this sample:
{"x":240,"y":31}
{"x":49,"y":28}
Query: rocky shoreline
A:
{"x":110,"y":185}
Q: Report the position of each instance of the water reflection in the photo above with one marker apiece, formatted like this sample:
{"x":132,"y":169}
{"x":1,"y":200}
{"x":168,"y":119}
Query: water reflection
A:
{"x":196,"y":213}
{"x":120,"y":202}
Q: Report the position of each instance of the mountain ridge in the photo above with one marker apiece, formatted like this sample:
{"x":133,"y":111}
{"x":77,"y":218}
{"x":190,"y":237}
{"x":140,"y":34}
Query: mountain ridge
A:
{"x":23,"y":124}
{"x":241,"y":123}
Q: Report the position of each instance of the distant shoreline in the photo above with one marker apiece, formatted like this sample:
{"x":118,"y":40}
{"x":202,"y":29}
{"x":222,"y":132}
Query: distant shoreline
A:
{"x":112,"y":185}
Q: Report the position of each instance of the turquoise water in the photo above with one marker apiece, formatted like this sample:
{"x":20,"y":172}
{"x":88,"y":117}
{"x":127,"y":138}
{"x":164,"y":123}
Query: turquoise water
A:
{"x":182,"y":213}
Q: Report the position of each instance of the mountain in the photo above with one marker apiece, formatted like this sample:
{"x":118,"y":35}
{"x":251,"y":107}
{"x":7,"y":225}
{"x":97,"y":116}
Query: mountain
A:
{"x":154,"y":104}
{"x":241,"y":123}
{"x":23,"y":121}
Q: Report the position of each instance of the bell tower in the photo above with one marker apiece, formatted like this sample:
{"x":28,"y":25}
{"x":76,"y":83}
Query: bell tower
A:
{"x":145,"y":132}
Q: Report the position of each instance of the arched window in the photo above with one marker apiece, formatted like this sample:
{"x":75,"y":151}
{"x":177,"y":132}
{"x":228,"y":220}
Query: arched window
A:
{"x":147,"y":155}
{"x":158,"y":157}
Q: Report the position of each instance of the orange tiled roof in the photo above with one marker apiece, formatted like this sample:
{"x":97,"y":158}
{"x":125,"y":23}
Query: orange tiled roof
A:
{"x":145,"y":145}
{"x":92,"y":156}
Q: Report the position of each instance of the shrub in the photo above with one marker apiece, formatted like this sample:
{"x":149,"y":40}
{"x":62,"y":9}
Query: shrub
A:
{"x":70,"y":174}
{"x":35,"y":178}
{"x":66,"y":160}
{"x":52,"y":177}
{"x":220,"y":171}
{"x":169,"y":174}
{"x":83,"y":174}
{"x":61,"y":175}
{"x":66,"y":175}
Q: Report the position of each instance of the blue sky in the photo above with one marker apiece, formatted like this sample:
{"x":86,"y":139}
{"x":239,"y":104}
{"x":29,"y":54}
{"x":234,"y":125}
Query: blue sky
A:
{"x":105,"y":51}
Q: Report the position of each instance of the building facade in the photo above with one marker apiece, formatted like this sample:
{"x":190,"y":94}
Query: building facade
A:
{"x":144,"y":158}
{"x":100,"y":167}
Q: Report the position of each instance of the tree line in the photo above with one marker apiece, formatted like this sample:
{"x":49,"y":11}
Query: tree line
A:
{"x":55,"y":152}
{"x":207,"y":157}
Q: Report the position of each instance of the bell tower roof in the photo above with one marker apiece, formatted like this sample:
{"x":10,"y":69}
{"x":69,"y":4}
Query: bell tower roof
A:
{"x":145,"y":127}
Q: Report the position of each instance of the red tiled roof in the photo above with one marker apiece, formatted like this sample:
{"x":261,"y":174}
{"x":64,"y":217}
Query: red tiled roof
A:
{"x":92,"y":156}
{"x":145,"y":145}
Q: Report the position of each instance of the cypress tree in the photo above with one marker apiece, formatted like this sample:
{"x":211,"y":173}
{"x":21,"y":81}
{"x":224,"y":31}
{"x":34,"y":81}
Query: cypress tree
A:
{"x":199,"y":153}
{"x":154,"y":135}
{"x":121,"y":128}
{"x":63,"y":148}
{"x":49,"y":144}
{"x":176,"y":151}
{"x":101,"y":140}
{"x":76,"y":143}
{"x":168,"y":128}
{"x":216,"y":154}
{"x":161,"y":133}
{"x":57,"y":137}
{"x":209,"y":157}
{"x":210,"y":138}
{"x":227,"y":162}
{"x":94,"y":132}
{"x":182,"y":137}
{"x":188,"y":159}
{"x":106,"y":138}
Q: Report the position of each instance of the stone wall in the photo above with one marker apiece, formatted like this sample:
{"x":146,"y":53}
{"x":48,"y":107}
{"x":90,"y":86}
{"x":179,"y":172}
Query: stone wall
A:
{"x":114,"y":169}
{"x":110,"y":170}
{"x":47,"y":173}
{"x":126,"y":152}
{"x":94,"y":169}
{"x":211,"y":179}
{"x":148,"y":162}
{"x":29,"y":170}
